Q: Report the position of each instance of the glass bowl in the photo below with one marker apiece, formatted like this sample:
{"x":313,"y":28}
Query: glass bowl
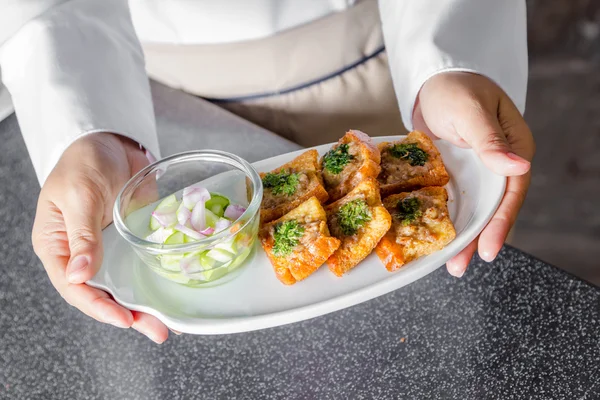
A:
{"x":219,"y":172}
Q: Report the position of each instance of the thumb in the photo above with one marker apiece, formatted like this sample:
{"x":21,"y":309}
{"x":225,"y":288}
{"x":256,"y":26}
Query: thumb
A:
{"x":420,"y":124}
{"x":83,"y":221}
{"x":482,"y":131}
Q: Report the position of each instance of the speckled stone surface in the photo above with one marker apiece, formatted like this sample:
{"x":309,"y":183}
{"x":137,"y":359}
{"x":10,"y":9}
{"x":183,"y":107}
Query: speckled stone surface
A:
{"x":514,"y":329}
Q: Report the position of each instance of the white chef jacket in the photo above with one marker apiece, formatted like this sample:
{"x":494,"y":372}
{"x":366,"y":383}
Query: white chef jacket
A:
{"x":74,"y":67}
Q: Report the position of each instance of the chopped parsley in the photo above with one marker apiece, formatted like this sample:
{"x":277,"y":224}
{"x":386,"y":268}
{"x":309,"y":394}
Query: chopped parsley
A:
{"x":353,"y":215}
{"x":411,"y":153}
{"x":287,"y":235}
{"x":336,"y":159}
{"x":282,"y":182}
{"x":408,"y":210}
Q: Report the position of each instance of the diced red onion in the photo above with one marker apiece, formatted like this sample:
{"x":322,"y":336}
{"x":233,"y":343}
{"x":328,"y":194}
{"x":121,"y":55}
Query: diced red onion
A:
{"x":221,"y":224}
{"x":166,"y":219}
{"x":208,"y":231}
{"x":233,"y":211}
{"x":189,"y":232}
{"x":198,"y":218}
{"x":194,"y":194}
{"x":183,"y":214}
{"x":190,"y":265}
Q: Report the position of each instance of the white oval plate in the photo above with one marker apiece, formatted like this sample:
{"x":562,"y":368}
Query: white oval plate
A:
{"x":256,"y":299}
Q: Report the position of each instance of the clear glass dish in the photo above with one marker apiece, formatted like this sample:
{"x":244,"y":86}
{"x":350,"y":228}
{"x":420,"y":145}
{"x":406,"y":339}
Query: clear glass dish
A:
{"x":219,"y":172}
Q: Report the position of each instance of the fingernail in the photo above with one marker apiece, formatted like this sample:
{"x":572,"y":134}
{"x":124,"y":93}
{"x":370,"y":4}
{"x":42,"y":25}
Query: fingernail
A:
{"x":156,"y":340}
{"x":517,"y":158}
{"x":455,"y":271}
{"x":76,"y":268}
{"x":175,"y":332}
{"x":486,"y":256}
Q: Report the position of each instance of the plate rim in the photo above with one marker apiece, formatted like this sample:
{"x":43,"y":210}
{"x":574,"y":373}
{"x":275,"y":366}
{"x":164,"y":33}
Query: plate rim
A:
{"x":231,"y":325}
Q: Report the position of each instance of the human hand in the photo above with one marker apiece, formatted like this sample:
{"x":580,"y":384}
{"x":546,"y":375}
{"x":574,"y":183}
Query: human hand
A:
{"x":75,"y":204}
{"x":471,"y":111}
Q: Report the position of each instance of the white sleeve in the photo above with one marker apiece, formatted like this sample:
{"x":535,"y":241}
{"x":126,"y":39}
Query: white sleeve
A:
{"x":426,"y":37}
{"x":74,"y":67}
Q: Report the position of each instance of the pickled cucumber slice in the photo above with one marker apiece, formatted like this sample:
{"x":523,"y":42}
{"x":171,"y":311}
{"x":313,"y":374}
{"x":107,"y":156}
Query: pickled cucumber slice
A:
{"x":229,"y":246}
{"x":211,"y":218}
{"x":176,"y":238}
{"x":171,"y":262}
{"x":240,"y":259}
{"x":220,"y":255}
{"x":168,"y":204}
{"x":217,"y":204}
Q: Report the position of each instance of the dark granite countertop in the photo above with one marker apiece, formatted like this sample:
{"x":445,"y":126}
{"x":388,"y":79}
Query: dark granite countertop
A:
{"x":514,"y":329}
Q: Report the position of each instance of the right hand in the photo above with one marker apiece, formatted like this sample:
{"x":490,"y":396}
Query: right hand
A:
{"x":75,"y":204}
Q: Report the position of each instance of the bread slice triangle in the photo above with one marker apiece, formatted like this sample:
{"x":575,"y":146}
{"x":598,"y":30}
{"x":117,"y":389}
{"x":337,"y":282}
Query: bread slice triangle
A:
{"x":313,"y":249}
{"x":398,"y":175}
{"x":355,"y":248}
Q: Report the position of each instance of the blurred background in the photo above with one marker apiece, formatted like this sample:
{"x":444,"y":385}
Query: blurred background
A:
{"x":560,"y":221}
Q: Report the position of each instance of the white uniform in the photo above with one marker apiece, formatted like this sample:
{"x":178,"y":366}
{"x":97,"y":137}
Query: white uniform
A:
{"x":76,"y":66}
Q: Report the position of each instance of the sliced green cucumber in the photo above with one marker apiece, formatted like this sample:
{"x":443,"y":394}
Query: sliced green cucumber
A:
{"x":217,"y":209}
{"x":187,"y":239}
{"x":154,"y":224}
{"x":174,"y":276}
{"x":171,"y":262}
{"x":211,"y":218}
{"x":217,"y":272}
{"x":159,"y":235}
{"x":240,"y":259}
{"x":220,"y":255}
{"x":229,"y":246}
{"x":168,"y":204}
{"x":207,"y":262}
{"x":176,"y":238}
{"x":217,"y":204}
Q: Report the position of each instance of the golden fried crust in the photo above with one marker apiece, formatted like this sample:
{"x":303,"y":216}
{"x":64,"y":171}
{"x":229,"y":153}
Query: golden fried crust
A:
{"x":310,"y":254}
{"x":399,"y":176}
{"x":307,"y":161}
{"x":355,"y":248}
{"x":365,"y":165}
{"x":429,"y":233}
{"x":308,"y":164}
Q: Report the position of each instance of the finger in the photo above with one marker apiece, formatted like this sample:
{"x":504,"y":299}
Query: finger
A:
{"x":83,"y":212}
{"x":493,"y":236}
{"x":517,"y":132}
{"x":97,"y":304}
{"x":420,"y":125}
{"x":482,"y":131}
{"x":521,"y":141}
{"x":50,"y":243}
{"x":458,"y":264}
{"x":150,"y":326}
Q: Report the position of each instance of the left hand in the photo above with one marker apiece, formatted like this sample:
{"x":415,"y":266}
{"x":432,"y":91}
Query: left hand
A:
{"x":469,"y":110}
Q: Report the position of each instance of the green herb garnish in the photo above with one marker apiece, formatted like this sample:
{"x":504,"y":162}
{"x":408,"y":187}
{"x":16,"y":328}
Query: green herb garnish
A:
{"x":408,"y":210}
{"x":353,"y":215}
{"x":410,"y":152}
{"x":336,"y":159}
{"x":287,"y":235}
{"x":282,"y":182}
